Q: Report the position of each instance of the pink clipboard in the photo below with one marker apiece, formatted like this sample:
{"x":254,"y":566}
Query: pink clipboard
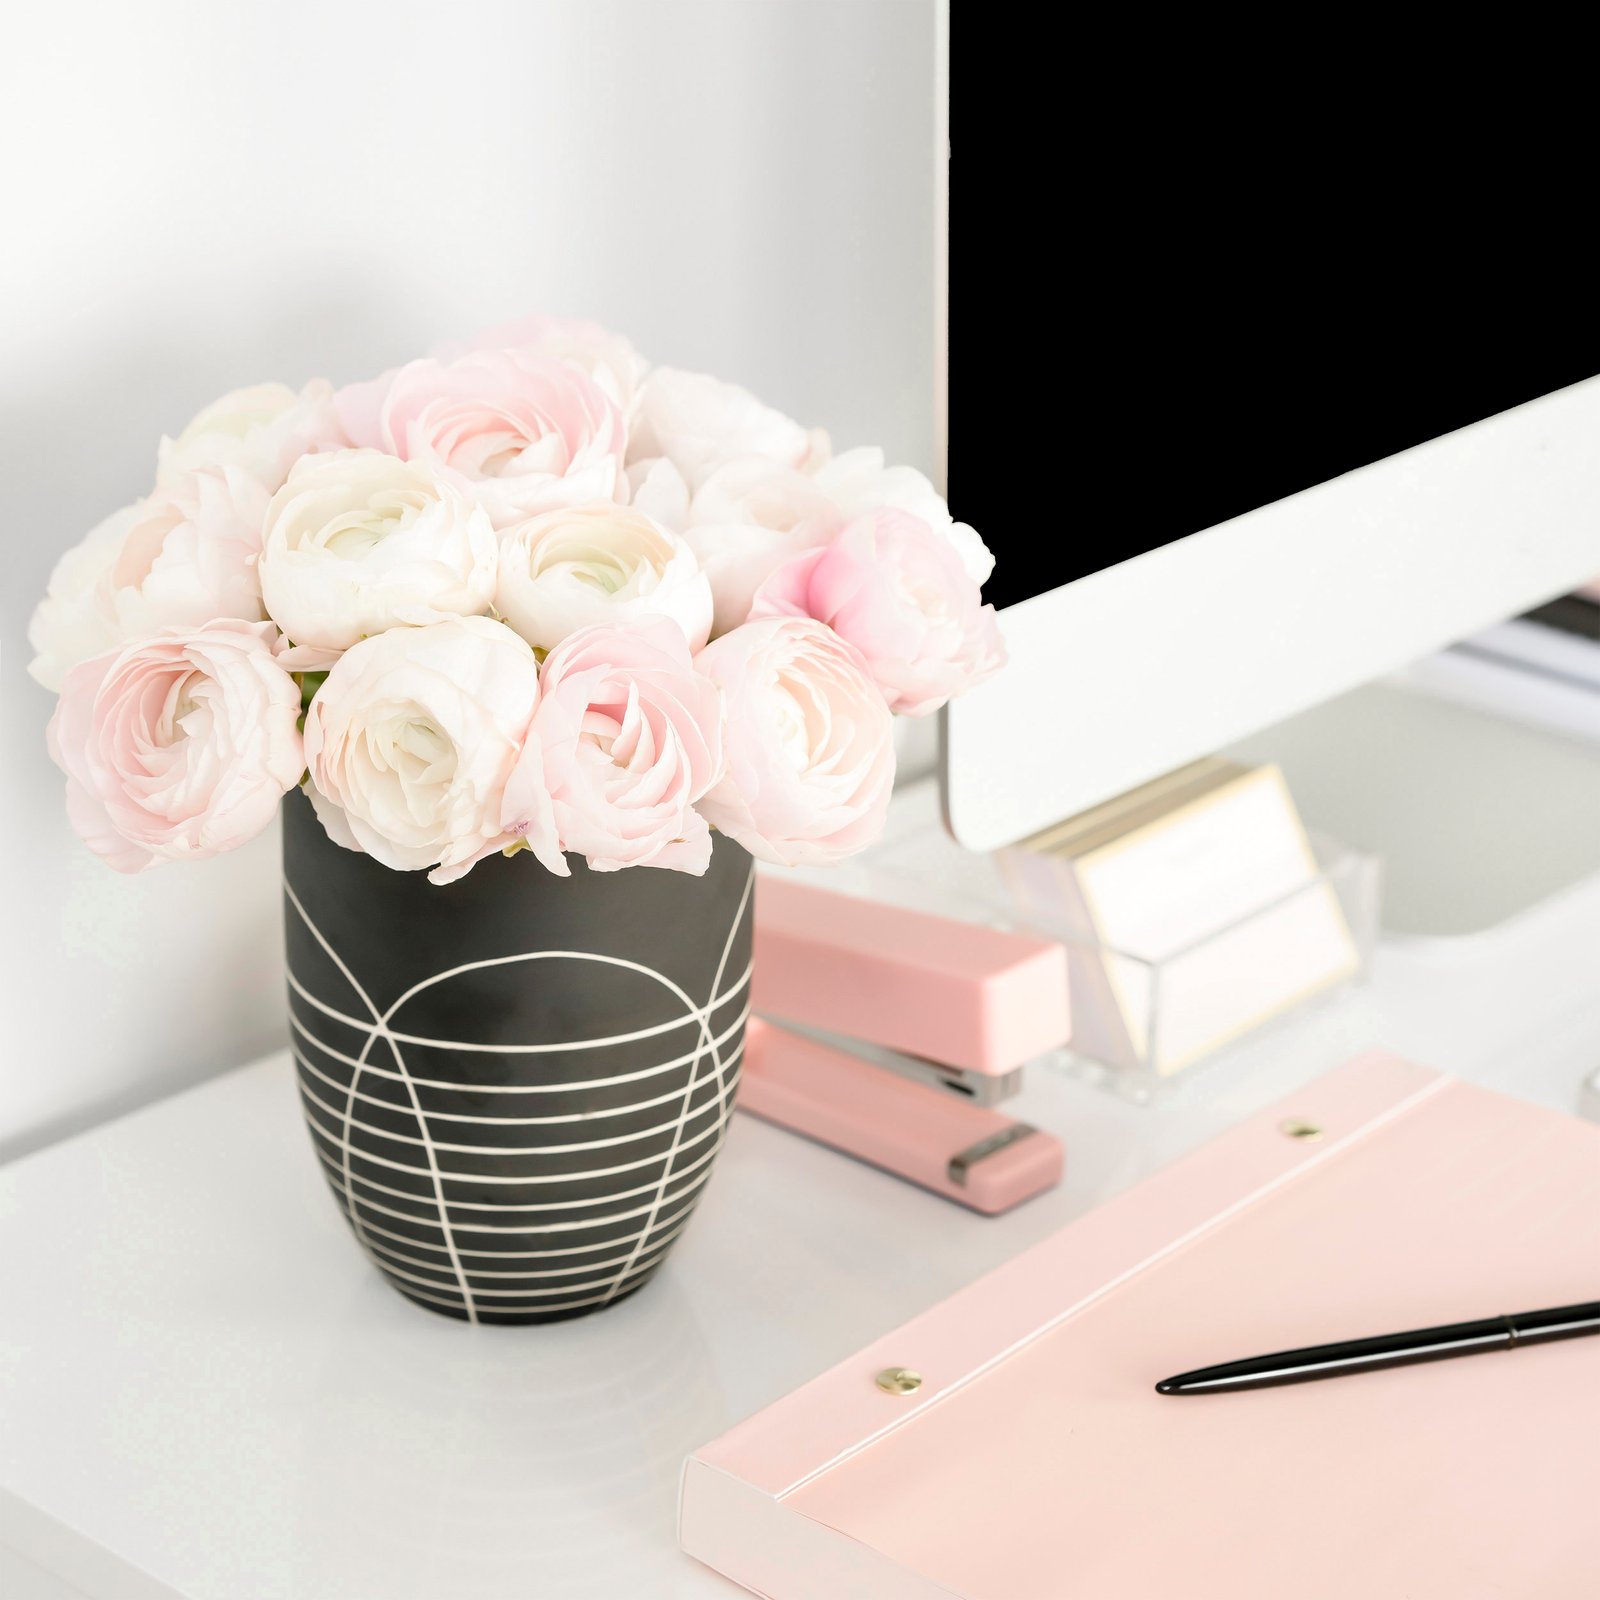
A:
{"x":1035,"y":1461}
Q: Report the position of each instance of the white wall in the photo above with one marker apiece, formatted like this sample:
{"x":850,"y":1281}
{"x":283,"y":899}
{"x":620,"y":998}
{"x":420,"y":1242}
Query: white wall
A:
{"x":197,"y":196}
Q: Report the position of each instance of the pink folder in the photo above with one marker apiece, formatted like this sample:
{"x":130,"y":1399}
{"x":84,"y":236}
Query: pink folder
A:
{"x":1036,"y":1462}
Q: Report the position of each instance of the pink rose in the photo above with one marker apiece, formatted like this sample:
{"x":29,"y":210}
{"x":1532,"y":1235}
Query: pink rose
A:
{"x":524,"y":433}
{"x":607,"y":357}
{"x":899,"y":593}
{"x":178,"y":748}
{"x":859,"y":481}
{"x":412,"y":742}
{"x":631,"y":738}
{"x":810,"y":749}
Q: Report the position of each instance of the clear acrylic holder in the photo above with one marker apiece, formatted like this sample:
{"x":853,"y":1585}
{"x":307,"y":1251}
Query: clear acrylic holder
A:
{"x":1142,"y":1025}
{"x":919,"y":865}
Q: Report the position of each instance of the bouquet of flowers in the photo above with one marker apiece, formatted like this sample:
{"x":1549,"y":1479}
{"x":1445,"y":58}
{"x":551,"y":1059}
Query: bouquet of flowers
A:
{"x":528,"y":593}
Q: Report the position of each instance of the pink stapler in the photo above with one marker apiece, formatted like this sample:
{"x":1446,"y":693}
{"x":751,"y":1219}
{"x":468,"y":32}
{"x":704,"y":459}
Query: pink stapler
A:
{"x":890,"y":1033}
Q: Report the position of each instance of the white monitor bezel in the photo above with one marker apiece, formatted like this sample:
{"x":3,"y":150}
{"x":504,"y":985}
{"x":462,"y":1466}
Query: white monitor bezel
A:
{"x":1139,"y":668}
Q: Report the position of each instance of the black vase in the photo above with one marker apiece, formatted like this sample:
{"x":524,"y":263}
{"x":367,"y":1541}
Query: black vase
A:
{"x":516,"y":1083}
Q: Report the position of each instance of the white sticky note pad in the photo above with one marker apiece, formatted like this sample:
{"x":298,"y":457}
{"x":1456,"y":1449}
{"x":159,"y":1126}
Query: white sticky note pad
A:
{"x":1221,"y":908}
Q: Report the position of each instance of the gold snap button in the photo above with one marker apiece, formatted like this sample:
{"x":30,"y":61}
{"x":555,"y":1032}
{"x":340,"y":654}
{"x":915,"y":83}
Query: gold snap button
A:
{"x":898,"y":1380}
{"x":1298,"y":1128}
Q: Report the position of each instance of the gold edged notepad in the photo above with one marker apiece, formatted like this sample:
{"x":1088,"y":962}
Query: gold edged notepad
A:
{"x":1193,"y":910}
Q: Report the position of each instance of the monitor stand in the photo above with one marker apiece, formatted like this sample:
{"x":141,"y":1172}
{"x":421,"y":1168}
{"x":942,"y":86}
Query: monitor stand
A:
{"x":1477,"y":815}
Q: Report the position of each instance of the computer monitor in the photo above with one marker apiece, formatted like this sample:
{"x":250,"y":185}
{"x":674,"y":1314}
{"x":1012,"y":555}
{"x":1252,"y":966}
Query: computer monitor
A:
{"x":1236,"y":448}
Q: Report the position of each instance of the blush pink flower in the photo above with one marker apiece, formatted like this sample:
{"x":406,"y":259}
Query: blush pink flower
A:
{"x":605,"y":356}
{"x":896,"y":590}
{"x":178,"y":558}
{"x":810,"y":743}
{"x":747,"y":518}
{"x":630,"y":737}
{"x":859,"y":481}
{"x":178,"y":748}
{"x":523,"y":433}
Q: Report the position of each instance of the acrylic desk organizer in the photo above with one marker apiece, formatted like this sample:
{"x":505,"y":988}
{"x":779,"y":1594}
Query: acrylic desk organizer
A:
{"x":1142,"y":1024}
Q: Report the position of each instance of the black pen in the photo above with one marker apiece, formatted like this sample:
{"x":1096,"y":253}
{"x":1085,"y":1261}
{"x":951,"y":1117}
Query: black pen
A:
{"x":1389,"y":1350}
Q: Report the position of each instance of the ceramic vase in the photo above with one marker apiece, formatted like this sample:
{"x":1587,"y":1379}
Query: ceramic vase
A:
{"x":516,"y":1084}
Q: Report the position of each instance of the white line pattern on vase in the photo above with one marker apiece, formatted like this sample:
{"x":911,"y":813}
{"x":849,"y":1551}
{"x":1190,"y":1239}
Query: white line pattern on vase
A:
{"x":342,"y":1142}
{"x":693,"y":1015}
{"x":391,"y":1254}
{"x":380,"y":1026}
{"x":665,"y":1223}
{"x":694,"y":1078}
{"x":520,"y":1228}
{"x":517,"y":1205}
{"x":500,"y":1149}
{"x":371,"y":1069}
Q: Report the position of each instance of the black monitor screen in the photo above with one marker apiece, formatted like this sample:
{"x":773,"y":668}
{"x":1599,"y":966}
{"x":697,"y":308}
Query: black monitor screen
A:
{"x":1149,"y":338}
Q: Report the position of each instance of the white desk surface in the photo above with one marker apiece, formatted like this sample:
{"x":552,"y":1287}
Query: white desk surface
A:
{"x":205,"y":1391}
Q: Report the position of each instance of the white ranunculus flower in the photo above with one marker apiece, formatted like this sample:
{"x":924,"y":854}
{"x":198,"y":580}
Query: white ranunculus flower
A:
{"x":262,"y":430}
{"x":745,"y":520}
{"x":599,"y":563}
{"x":183,"y":557}
{"x":76,"y":620}
{"x":357,"y":541}
{"x":697,"y":422}
{"x":859,"y":482}
{"x":412,"y":739}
